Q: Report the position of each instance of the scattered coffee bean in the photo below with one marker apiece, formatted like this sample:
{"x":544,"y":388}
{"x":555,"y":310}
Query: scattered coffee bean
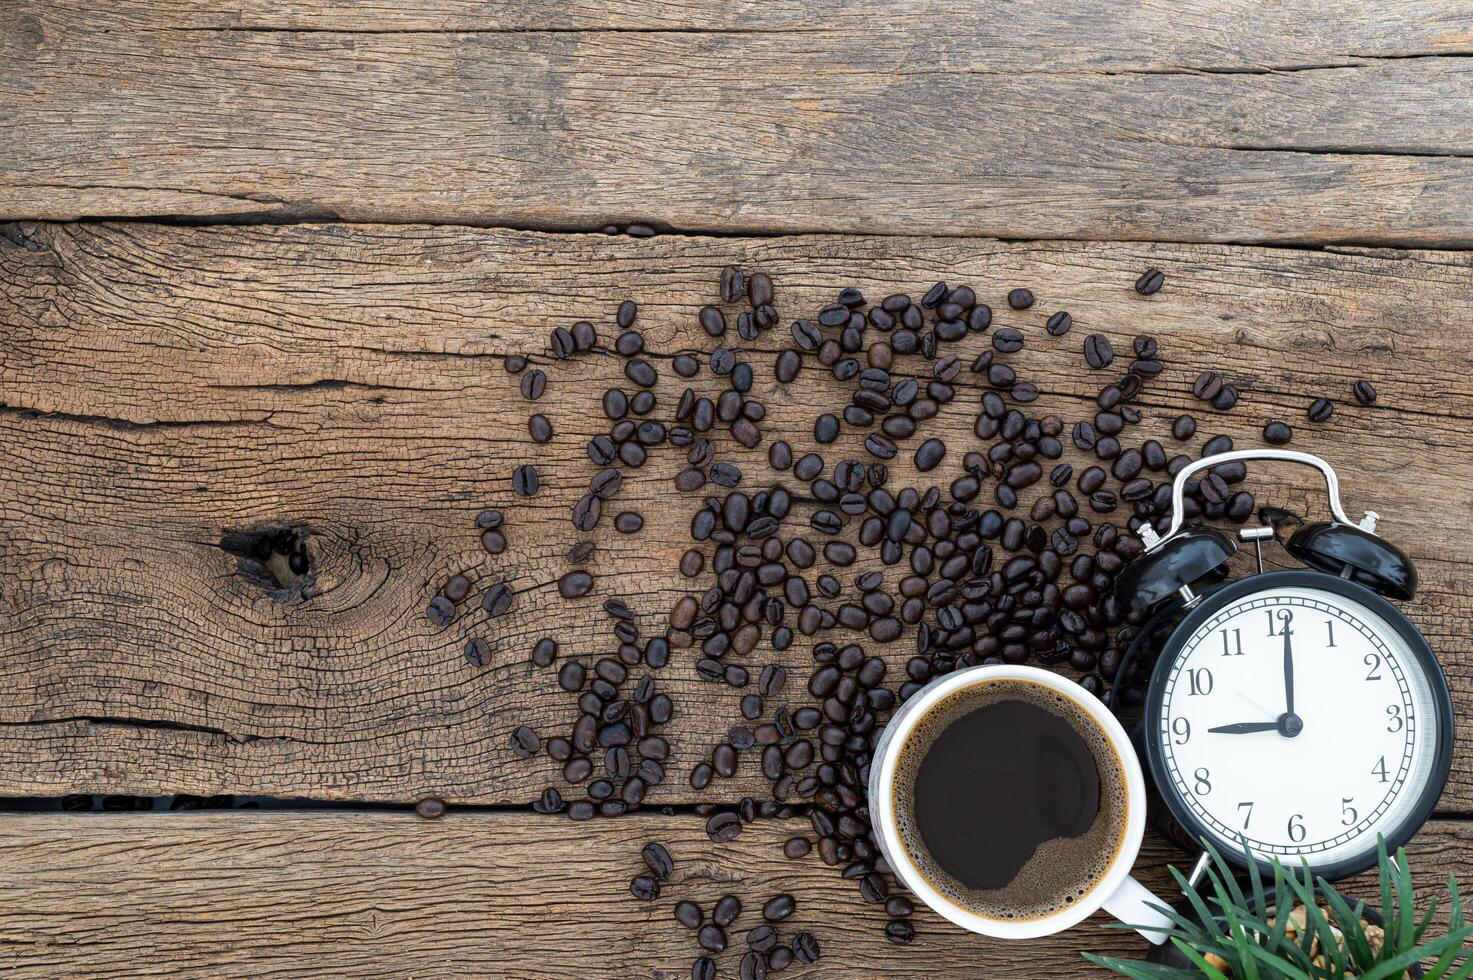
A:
{"x":1150,"y":282}
{"x":1364,"y":392}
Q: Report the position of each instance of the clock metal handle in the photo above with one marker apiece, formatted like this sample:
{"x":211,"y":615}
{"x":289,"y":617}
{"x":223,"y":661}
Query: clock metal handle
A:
{"x":1178,"y":487}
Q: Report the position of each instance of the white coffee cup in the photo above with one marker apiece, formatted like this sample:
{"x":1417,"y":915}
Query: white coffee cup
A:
{"x":1116,"y":891}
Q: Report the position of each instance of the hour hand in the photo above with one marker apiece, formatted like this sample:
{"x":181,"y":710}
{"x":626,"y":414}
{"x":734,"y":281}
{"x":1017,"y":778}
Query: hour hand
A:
{"x":1246,"y":727}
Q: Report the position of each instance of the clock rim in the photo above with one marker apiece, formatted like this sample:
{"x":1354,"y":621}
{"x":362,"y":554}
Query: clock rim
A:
{"x":1227,"y":594}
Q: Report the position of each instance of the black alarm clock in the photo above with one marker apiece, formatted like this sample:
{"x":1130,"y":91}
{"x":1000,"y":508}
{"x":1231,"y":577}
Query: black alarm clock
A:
{"x":1294,"y":714}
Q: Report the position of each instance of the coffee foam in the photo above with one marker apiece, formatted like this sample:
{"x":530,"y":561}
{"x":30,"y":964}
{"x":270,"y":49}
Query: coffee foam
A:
{"x":1062,"y":871}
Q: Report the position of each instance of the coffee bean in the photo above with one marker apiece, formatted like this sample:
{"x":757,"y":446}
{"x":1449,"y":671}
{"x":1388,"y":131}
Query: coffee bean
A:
{"x":562,"y":342}
{"x":1097,"y":351}
{"x":1020,"y":299}
{"x":1184,"y":427}
{"x":478,"y":652}
{"x":689,"y":914}
{"x":1321,"y":410}
{"x":1364,"y":392}
{"x":779,"y":908}
{"x":645,"y":888}
{"x":544,"y":652}
{"x":929,"y":455}
{"x":1277,"y":433}
{"x":796,"y":847}
{"x":525,"y":742}
{"x":575,"y":584}
{"x":1150,"y":282}
{"x":753,"y":965}
{"x":703,"y":968}
{"x":657,"y":859}
{"x":762,"y":938}
{"x":727,"y":908}
{"x":711,"y":936}
{"x":826,"y":429}
{"x":628,"y":522}
{"x":586,"y":512}
{"x":1059,"y":324}
{"x":733,"y":284}
{"x":539,"y":428}
{"x":1226,"y":398}
{"x":1006,"y":340}
{"x":899,"y":931}
{"x":806,"y":948}
{"x":497,"y":600}
{"x":534,"y":383}
{"x":723,"y":827}
{"x":515,"y":363}
{"x":759,"y":289}
{"x":640,"y":372}
{"x":1207,"y":386}
{"x":524,"y":480}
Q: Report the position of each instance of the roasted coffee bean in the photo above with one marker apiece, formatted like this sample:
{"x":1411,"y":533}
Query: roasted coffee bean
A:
{"x":726,"y":910}
{"x":575,"y":584}
{"x":689,"y":914}
{"x":1184,"y":427}
{"x":762,"y":938}
{"x":1020,"y":299}
{"x":515,"y":363}
{"x":753,"y":965}
{"x":534,"y":383}
{"x":430,"y":809}
{"x":929,"y":455}
{"x":1321,"y":410}
{"x":796,"y":847}
{"x":1150,"y":282}
{"x":826,"y":429}
{"x":478,"y":652}
{"x":1226,"y":398}
{"x":1277,"y":433}
{"x":497,"y":600}
{"x":657,"y":859}
{"x":544,"y":652}
{"x":628,"y":522}
{"x":525,"y":742}
{"x":779,"y":908}
{"x":1207,"y":386}
{"x":1364,"y":392}
{"x":586,"y":512}
{"x":1059,"y":323}
{"x":1097,"y":351}
{"x":711,"y":936}
{"x":806,"y":948}
{"x":1006,"y":340}
{"x":899,"y":931}
{"x":703,"y":968}
{"x":640,"y":372}
{"x":645,"y":888}
{"x":524,"y":480}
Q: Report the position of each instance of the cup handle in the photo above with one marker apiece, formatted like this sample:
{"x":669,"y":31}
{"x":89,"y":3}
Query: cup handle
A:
{"x":1137,"y":906}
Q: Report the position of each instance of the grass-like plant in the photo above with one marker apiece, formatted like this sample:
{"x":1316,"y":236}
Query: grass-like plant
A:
{"x":1238,"y":935}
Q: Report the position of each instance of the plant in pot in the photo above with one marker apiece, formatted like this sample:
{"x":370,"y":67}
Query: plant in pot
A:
{"x":1300,"y":928}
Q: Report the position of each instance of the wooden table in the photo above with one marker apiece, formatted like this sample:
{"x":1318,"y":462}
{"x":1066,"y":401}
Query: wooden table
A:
{"x":265,"y":269}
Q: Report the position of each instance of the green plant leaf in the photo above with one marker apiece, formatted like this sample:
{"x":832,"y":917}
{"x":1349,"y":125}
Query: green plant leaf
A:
{"x":1285,"y":969}
{"x":1210,"y":971}
{"x":1395,"y":966}
{"x":1357,"y":943}
{"x":1455,"y":922}
{"x":1140,"y":970}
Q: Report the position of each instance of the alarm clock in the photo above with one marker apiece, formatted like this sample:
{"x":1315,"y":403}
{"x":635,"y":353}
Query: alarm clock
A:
{"x":1298,"y":714}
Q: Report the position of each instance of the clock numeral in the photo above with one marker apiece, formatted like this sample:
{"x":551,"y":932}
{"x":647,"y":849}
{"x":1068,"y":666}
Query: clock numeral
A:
{"x":1200,"y":681}
{"x":1236,"y":650}
{"x":1330,"y":625}
{"x":1373,"y":661}
{"x":1396,"y":722}
{"x":1246,"y":816}
{"x":1204,"y":785}
{"x":1348,"y":814}
{"x":1379,"y":769}
{"x":1296,"y":828}
{"x":1285,"y":617}
{"x":1182,"y":728}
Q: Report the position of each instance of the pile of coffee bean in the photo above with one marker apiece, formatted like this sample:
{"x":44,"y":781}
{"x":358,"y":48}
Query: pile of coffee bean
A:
{"x":766,"y":952}
{"x":982,"y":576}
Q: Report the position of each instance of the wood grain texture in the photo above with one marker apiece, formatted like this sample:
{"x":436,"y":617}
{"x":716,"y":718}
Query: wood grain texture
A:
{"x":1304,"y":122}
{"x":473,"y":895}
{"x":165,"y":384}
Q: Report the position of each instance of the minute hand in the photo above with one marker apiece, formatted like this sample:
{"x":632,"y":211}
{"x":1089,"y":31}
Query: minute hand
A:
{"x":1288,"y":673}
{"x":1246,"y":727}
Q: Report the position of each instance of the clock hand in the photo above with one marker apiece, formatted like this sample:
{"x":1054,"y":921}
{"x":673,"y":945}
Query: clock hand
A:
{"x":1246,"y":727}
{"x":1288,"y":673}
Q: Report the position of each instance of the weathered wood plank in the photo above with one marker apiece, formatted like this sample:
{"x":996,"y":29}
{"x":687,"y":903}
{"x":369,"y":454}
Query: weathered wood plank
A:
{"x":473,"y":894}
{"x":350,"y":379}
{"x":1210,"y":122}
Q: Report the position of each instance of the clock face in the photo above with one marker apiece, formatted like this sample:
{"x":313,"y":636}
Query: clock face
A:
{"x":1300,"y":722}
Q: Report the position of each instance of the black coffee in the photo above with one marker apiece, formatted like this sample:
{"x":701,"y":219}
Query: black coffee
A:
{"x":1010,"y":800}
